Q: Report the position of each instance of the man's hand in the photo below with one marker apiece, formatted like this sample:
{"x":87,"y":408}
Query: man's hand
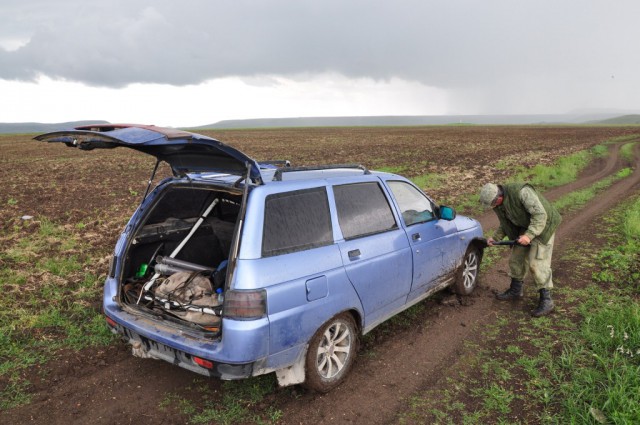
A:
{"x":523,"y":240}
{"x":490,"y":241}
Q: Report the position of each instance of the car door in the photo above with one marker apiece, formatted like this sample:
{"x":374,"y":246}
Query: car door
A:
{"x":375,"y":250}
{"x":433,"y":240}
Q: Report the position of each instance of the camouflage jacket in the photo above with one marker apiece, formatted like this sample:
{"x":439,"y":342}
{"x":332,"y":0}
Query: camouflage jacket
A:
{"x":525,"y":212}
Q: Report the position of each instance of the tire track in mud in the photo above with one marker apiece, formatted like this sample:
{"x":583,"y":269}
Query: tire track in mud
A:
{"x":617,"y":193}
{"x":381,"y":382}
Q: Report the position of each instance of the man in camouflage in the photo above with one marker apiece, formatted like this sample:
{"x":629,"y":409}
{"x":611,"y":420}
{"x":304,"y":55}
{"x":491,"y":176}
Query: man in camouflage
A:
{"x":527,"y":217}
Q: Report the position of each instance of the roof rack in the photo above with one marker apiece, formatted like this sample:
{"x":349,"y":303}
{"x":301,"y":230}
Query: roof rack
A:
{"x":277,"y":163}
{"x":278,"y":174}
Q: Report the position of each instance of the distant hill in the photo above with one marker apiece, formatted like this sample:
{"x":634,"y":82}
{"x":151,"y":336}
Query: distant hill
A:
{"x":409,"y":120}
{"x":622,"y":120}
{"x":36,"y":127}
{"x":369,"y":121}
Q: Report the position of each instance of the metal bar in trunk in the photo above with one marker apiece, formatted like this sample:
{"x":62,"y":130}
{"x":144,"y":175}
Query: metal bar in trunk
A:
{"x":175,"y":252}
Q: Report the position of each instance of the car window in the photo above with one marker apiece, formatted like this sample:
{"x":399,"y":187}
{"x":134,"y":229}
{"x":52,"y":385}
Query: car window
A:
{"x":414,"y":206}
{"x":295,"y":221}
{"x":363,"y":209}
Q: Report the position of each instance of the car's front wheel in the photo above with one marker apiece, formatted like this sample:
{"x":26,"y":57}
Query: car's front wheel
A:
{"x":467,"y":275}
{"x":331,"y":353}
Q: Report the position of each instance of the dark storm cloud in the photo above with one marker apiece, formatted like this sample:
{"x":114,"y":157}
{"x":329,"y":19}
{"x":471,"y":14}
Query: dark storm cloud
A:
{"x":499,"y":46}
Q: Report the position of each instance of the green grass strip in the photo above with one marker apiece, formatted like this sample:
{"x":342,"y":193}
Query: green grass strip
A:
{"x":563,"y":171}
{"x":576,"y":200}
{"x":626,"y":151}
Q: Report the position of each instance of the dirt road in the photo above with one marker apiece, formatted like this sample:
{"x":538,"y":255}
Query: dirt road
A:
{"x":110,"y":386}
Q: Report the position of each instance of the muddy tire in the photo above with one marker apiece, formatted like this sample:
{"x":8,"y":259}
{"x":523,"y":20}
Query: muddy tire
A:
{"x":467,"y":275}
{"x":331,"y":354}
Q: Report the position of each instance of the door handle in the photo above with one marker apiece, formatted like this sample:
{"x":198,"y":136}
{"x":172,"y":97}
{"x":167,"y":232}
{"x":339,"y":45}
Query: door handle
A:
{"x":416,"y":236}
{"x":354,"y":254}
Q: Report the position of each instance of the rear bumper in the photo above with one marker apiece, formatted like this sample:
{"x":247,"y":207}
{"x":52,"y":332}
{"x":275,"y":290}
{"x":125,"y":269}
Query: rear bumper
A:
{"x":147,"y":348}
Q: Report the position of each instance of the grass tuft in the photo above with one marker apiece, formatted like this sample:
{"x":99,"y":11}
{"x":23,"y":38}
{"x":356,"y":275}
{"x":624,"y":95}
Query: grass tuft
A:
{"x":563,"y":171}
{"x":428,"y":182}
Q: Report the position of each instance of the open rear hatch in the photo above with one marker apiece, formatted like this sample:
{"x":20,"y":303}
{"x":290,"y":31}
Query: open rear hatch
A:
{"x":177,"y":257}
{"x":185,"y":152}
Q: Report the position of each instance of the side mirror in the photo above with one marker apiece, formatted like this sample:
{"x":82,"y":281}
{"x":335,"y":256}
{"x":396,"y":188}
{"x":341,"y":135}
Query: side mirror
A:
{"x":447,"y":213}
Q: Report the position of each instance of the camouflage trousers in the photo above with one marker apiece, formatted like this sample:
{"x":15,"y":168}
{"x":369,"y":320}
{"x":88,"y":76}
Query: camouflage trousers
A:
{"x":535,"y":258}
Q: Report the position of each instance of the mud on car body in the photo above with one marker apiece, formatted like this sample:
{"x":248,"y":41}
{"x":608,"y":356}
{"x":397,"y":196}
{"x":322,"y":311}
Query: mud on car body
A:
{"x":232,"y":268}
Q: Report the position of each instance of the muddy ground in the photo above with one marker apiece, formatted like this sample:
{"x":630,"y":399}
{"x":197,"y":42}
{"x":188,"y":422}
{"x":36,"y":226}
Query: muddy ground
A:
{"x":101,"y":189}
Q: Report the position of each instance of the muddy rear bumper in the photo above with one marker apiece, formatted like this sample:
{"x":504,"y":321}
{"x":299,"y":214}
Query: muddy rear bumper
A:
{"x":144,"y":347}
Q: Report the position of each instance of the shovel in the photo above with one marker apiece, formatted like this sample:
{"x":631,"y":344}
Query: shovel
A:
{"x":484,"y":244}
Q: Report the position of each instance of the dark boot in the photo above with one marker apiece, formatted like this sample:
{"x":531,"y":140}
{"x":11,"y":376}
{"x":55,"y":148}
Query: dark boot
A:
{"x":545,"y":305}
{"x":513,"y":293}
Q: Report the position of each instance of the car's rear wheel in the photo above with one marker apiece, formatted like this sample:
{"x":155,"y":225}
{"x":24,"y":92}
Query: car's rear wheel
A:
{"x":467,"y":275}
{"x":331,"y":353}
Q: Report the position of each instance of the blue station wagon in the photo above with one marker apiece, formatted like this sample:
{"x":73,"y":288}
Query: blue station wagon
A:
{"x":233,"y":268}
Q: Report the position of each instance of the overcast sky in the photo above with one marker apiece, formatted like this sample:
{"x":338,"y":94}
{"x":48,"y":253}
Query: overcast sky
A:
{"x":194,"y":62}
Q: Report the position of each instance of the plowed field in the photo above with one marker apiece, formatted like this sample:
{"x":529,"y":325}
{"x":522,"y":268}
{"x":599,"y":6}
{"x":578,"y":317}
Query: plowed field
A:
{"x":92,"y":194}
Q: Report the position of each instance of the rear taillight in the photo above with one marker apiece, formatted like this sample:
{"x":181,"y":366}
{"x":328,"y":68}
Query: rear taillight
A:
{"x":207,"y":364}
{"x":245,"y":304}
{"x":110,"y":321}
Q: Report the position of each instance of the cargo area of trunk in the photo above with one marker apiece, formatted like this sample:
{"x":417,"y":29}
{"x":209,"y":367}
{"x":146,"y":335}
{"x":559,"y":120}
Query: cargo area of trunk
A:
{"x":176,"y":260}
